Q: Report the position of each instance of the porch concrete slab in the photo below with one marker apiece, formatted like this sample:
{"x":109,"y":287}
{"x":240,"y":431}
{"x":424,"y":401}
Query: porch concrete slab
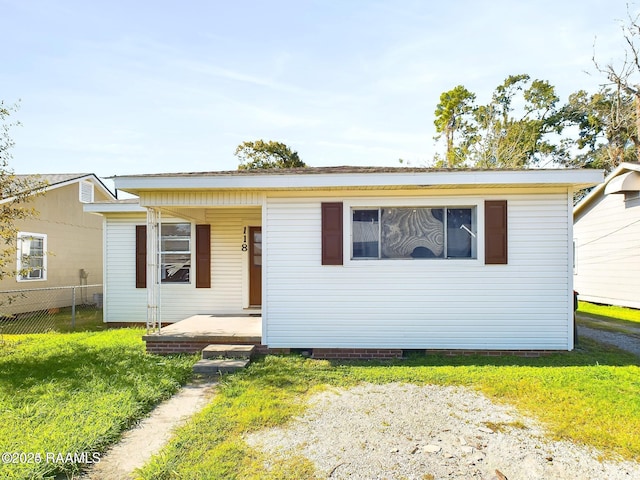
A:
{"x":206,"y":327}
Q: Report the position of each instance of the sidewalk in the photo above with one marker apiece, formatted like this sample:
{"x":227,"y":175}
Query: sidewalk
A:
{"x":139,"y":444}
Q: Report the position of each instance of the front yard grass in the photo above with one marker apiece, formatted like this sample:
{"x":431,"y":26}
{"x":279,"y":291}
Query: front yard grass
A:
{"x":609,"y":317}
{"x":88,"y":318}
{"x":75,"y":393}
{"x":590,"y":396}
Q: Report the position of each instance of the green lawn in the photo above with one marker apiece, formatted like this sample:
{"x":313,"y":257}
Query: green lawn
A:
{"x":609,"y":318}
{"x":88,"y":318}
{"x":590,"y":396}
{"x":76,"y":392}
{"x":618,"y":313}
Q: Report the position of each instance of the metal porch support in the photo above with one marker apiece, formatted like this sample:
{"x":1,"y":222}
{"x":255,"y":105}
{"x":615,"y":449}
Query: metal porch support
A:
{"x":153,"y":270}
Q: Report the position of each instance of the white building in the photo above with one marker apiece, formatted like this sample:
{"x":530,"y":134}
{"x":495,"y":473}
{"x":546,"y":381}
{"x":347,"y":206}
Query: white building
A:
{"x":607,"y":240}
{"x":352,"y":257}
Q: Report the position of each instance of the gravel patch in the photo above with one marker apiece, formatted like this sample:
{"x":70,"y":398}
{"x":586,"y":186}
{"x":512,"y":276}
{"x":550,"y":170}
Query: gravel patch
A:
{"x":623,"y":341}
{"x":404,"y":431}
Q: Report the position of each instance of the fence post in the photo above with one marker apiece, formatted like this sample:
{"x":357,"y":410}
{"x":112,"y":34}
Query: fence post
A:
{"x":73,"y":308}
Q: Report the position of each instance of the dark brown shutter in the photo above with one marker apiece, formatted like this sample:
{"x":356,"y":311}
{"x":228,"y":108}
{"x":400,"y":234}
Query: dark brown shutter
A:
{"x":495,"y":232}
{"x":203,"y":256}
{"x":332,"y":233}
{"x":141,"y":256}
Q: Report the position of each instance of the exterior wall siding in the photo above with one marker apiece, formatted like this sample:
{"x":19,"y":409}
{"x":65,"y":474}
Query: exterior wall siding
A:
{"x":122,"y":301}
{"x":607,"y":239}
{"x":74,"y":239}
{"x":125,"y":303}
{"x":419,"y":304}
{"x":74,"y":242}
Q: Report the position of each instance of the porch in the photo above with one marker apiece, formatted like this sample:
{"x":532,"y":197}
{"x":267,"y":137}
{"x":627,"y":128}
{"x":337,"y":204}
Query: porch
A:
{"x":194,"y":333}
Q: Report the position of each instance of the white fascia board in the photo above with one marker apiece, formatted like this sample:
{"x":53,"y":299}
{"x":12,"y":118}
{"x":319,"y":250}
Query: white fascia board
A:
{"x":574,"y":178}
{"x":113,"y":207}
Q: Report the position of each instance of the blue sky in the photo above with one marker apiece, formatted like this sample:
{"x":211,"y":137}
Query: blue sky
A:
{"x":119,"y":88}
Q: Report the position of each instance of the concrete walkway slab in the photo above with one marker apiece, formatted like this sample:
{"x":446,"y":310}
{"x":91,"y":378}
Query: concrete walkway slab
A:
{"x":139,"y":444}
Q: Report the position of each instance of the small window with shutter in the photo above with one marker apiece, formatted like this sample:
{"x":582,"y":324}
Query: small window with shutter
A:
{"x":175,"y":251}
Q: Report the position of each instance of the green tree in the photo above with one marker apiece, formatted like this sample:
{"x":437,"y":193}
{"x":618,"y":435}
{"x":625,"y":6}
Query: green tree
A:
{"x":606,"y":124}
{"x":260,"y":154}
{"x":454,"y":121}
{"x":15,"y":193}
{"x":519,"y":128}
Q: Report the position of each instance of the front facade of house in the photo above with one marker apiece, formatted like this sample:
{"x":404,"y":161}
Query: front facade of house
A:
{"x":607,"y":240}
{"x":61,"y":245}
{"x":348,"y":258}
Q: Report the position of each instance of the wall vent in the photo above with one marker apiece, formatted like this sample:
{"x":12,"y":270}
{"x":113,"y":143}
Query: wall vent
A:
{"x":86,"y":192}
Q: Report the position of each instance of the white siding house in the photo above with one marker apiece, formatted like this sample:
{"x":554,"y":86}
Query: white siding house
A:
{"x":357,"y":258}
{"x":607,"y":240}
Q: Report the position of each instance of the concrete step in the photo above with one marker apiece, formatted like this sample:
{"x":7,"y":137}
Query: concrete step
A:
{"x":228,"y":351}
{"x":219,"y":366}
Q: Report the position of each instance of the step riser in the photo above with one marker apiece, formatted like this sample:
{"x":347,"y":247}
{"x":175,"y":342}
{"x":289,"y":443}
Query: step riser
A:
{"x":219,"y":366}
{"x":214,"y":370}
{"x":228,"y":351}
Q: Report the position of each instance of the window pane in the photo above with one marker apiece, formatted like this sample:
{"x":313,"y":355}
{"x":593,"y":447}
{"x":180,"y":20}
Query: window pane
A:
{"x":365,"y":233}
{"x":176,"y":237}
{"x":36,"y":246}
{"x":175,"y":268}
{"x":459,"y":239}
{"x":412,"y":233}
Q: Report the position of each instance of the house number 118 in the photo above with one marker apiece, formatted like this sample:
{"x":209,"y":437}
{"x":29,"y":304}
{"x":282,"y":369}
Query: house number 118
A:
{"x":245,"y":247}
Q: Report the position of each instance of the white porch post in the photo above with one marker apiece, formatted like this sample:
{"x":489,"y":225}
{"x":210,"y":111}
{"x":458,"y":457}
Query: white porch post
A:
{"x":153,"y":270}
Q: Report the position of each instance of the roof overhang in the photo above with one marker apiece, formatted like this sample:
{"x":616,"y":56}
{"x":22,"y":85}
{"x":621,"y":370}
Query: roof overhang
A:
{"x":618,"y":179}
{"x":411,"y":178}
{"x":627,"y":182}
{"x":53,"y":181}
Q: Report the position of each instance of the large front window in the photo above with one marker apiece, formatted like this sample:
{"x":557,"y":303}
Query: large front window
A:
{"x":32,"y":250}
{"x":175,"y":252}
{"x":414,"y":232}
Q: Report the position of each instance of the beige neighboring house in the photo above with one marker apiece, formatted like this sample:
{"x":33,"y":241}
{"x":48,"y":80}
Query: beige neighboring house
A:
{"x":606,"y":235}
{"x":63,"y":243}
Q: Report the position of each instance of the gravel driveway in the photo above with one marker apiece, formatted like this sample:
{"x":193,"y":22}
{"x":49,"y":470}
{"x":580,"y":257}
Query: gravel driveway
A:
{"x":404,"y":431}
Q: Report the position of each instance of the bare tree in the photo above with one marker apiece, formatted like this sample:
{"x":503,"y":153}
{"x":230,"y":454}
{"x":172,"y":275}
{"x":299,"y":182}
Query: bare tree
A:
{"x":626,"y":76}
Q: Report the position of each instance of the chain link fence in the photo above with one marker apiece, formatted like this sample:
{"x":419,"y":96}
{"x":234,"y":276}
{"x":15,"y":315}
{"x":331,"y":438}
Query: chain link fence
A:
{"x":60,"y":309}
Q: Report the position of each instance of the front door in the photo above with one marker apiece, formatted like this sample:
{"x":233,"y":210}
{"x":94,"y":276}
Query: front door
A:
{"x":255,"y":266}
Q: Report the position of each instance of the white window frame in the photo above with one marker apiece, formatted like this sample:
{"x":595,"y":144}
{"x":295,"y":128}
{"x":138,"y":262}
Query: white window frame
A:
{"x":86,"y":189}
{"x":444,"y":203}
{"x":20,"y":265}
{"x":190,"y":252}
